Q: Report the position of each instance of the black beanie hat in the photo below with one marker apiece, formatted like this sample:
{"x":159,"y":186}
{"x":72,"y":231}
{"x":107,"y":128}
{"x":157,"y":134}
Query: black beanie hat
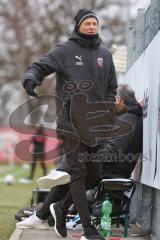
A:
{"x":82,"y":15}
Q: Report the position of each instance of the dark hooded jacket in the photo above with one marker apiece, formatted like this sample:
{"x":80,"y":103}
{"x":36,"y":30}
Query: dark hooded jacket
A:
{"x":123,"y":150}
{"x":78,"y":62}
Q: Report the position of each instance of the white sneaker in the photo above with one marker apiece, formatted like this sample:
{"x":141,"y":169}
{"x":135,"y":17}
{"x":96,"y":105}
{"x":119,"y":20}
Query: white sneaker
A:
{"x":54,"y":178}
{"x":74,"y":224}
{"x":33,"y":222}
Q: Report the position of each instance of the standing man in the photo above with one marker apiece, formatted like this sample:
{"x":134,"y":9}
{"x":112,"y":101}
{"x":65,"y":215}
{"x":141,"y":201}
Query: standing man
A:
{"x":78,"y":63}
{"x":38,"y":141}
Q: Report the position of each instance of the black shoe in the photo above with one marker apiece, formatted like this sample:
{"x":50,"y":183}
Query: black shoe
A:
{"x":50,"y":221}
{"x":91,"y":233}
{"x":60,"y":220}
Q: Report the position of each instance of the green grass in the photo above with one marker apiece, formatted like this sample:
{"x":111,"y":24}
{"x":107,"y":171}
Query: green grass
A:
{"x":13,"y":198}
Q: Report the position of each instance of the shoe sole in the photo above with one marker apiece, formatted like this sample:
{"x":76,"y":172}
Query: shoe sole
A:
{"x":40,"y":227}
{"x":54,"y":216}
{"x":48,"y":183}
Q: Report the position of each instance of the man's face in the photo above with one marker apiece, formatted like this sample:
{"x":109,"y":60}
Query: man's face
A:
{"x":89,"y":26}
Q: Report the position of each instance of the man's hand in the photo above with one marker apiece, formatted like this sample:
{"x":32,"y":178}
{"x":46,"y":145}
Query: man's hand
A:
{"x":29,"y":86}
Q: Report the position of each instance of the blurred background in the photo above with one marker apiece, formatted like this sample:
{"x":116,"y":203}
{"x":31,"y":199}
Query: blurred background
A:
{"x":29,"y":29}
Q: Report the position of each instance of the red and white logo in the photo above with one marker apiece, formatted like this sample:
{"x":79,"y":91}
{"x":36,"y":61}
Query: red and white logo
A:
{"x":100,"y":62}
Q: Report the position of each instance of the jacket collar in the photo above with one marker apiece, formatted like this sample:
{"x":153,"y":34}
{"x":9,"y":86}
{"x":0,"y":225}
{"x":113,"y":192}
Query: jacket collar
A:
{"x":86,"y":41}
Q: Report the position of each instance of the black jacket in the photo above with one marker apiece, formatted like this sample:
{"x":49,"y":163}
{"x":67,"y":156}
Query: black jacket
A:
{"x":123,"y":151}
{"x":76,"y":60}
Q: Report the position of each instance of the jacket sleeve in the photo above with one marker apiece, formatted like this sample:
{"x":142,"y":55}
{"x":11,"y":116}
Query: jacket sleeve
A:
{"x":112,"y":85}
{"x":42,"y":68}
{"x":120,"y":144}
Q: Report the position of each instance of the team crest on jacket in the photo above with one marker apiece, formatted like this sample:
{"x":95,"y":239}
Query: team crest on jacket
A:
{"x":100,"y":62}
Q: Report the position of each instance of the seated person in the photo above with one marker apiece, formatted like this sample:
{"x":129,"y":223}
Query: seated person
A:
{"x":123,"y":151}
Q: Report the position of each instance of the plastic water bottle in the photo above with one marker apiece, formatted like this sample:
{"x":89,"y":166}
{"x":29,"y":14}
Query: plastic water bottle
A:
{"x":105,"y":228}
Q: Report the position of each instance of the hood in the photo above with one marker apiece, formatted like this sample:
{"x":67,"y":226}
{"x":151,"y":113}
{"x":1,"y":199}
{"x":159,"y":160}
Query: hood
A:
{"x":136,"y":109}
{"x":86,"y":41}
